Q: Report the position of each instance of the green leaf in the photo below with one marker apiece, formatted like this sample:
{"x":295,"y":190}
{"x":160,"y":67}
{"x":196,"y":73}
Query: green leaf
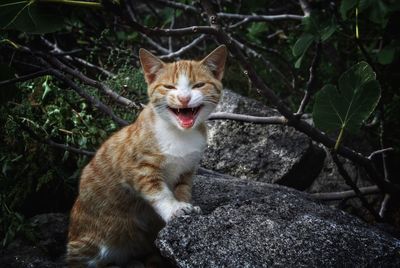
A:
{"x":47,"y":88}
{"x":386,"y":55}
{"x":348,"y":107}
{"x":346,"y":6}
{"x":300,"y":48}
{"x":302,"y":44}
{"x":30,"y":17}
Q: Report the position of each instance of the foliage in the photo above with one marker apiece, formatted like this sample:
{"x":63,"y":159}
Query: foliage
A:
{"x":349,"y":106}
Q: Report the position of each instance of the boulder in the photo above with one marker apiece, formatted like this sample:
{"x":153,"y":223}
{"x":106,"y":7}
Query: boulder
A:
{"x":48,"y":249}
{"x":267,"y":153}
{"x":253,"y":224}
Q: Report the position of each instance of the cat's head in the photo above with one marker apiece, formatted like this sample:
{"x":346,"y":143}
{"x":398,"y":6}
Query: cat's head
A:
{"x":184,"y":92}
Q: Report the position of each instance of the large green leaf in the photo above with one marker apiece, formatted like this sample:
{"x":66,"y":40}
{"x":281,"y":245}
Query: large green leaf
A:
{"x":348,"y":107}
{"x":30,"y":16}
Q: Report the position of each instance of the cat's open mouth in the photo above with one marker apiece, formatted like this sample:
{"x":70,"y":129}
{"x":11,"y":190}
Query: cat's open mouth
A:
{"x":186,"y":116}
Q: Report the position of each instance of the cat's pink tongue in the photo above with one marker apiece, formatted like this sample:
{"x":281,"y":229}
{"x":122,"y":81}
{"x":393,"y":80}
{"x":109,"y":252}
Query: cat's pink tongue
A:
{"x":186,"y":120}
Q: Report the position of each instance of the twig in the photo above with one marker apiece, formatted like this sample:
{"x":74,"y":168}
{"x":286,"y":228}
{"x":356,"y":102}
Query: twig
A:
{"x":305,"y":6}
{"x":184,"y":48}
{"x":24,"y":78}
{"x":349,"y":181}
{"x":345,"y":194}
{"x":53,"y":143}
{"x":91,"y":82}
{"x":274,"y":120}
{"x":58,"y":51}
{"x":178,"y":5}
{"x":92,"y":100}
{"x":310,"y":86}
{"x":380,"y":152}
{"x":252,"y":18}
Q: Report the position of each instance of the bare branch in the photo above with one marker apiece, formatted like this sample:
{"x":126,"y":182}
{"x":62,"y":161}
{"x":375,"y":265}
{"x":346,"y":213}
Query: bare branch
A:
{"x":273,"y":120}
{"x":91,"y":82}
{"x":184,"y":48}
{"x":69,"y":148}
{"x":380,"y":152}
{"x":178,"y":5}
{"x":305,"y":6}
{"x":24,"y":78}
{"x":92,"y":100}
{"x":53,"y":143}
{"x":58,"y":51}
{"x":353,"y":185}
{"x":310,"y":87}
{"x":254,"y":17}
{"x":346,"y":194}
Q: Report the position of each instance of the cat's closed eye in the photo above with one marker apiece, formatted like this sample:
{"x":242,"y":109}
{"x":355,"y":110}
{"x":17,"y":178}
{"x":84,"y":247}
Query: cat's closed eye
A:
{"x":198,"y":85}
{"x":169,"y":86}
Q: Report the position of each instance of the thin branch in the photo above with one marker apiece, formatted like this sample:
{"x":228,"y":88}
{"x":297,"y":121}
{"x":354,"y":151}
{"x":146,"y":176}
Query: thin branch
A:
{"x":58,"y":51}
{"x":346,"y":194}
{"x":305,"y":6}
{"x":380,"y":152}
{"x":91,"y":82}
{"x":178,"y":5}
{"x":50,"y":142}
{"x":254,"y":17}
{"x":353,"y":185}
{"x":92,"y":100}
{"x":310,"y":86}
{"x":24,"y":78}
{"x":183,"y":49}
{"x":273,"y":120}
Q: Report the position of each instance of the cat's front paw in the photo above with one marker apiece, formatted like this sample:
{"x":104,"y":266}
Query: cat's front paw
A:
{"x":185,"y":209}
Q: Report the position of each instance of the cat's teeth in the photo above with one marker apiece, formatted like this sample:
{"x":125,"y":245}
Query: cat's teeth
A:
{"x":178,"y":110}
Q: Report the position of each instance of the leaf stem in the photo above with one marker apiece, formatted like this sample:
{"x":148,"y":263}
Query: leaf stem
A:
{"x":339,"y":139}
{"x":73,"y":3}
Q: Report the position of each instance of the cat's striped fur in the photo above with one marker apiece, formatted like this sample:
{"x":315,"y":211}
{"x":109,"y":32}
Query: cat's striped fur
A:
{"x":141,"y":176}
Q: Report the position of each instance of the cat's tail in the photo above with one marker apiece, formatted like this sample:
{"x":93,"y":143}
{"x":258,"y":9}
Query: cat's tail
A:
{"x":81,"y":254}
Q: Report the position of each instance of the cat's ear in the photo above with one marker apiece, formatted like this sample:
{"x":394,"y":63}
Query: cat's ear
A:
{"x":215,"y":61}
{"x":150,"y":64}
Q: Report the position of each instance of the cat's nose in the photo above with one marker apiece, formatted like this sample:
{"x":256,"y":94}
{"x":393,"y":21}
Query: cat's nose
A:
{"x":184,"y":99}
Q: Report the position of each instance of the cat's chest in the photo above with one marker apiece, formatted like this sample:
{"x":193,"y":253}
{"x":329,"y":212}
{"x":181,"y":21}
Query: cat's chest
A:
{"x":182,"y":151}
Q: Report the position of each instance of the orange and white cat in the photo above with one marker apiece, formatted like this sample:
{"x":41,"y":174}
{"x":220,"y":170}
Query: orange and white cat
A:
{"x":141,"y":177}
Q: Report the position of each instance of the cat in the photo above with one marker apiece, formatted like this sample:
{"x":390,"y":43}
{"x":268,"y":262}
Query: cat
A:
{"x":141,"y":177}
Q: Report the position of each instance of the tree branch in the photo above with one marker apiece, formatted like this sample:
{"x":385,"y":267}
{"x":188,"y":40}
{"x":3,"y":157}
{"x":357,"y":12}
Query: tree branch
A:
{"x":53,"y":143}
{"x":92,"y":100}
{"x":349,"y":181}
{"x":91,"y":82}
{"x":24,"y":77}
{"x":183,"y":49}
{"x":274,"y":120}
{"x":345,"y":194}
{"x":310,"y":87}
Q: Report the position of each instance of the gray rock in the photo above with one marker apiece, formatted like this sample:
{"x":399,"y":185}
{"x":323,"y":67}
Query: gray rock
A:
{"x":48,"y":249}
{"x":268,"y":153}
{"x":330,"y":180}
{"x":270,"y":225}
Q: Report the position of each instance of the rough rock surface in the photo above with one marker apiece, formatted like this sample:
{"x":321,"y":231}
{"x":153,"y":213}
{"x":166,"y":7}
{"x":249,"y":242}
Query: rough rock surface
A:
{"x":268,"y":225}
{"x":47,"y":252}
{"x":268,"y":153}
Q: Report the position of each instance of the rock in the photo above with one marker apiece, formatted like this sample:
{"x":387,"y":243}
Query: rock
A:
{"x":270,"y":225}
{"x":48,"y":249}
{"x":267,"y":153}
{"x":329,"y":179}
